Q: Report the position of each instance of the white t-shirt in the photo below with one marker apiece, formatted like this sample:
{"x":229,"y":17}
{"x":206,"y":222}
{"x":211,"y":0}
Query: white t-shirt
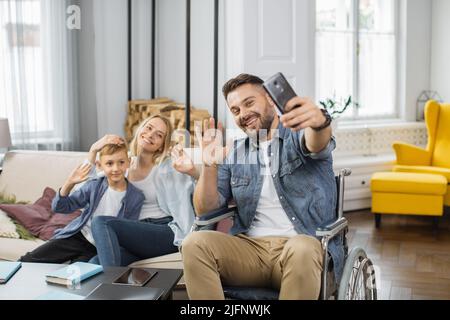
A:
{"x":270,"y":219}
{"x":150,"y":208}
{"x":109,"y":205}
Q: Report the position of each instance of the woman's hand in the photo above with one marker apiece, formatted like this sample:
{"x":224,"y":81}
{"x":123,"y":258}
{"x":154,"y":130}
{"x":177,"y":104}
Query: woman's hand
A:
{"x":182,"y":162}
{"x":98,"y":145}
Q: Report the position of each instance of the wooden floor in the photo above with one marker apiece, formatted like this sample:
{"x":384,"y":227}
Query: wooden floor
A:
{"x":412,"y":261}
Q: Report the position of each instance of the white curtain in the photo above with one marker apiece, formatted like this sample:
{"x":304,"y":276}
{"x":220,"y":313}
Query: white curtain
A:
{"x":38,"y":74}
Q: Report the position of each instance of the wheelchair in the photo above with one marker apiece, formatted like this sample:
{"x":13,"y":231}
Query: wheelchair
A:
{"x":358,"y":278}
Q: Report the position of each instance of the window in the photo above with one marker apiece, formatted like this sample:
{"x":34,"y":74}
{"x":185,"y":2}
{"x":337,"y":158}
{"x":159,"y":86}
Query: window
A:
{"x":356,"y":50}
{"x":37,"y":78}
{"x":21,"y":61}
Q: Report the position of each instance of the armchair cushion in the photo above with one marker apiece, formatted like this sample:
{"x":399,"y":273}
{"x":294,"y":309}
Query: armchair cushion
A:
{"x":424,"y":169}
{"x":411,"y":155}
{"x":408,"y":183}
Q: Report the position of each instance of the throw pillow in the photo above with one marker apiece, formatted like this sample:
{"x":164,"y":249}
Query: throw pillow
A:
{"x":20,"y":229}
{"x":7,"y":227}
{"x":38,"y":218}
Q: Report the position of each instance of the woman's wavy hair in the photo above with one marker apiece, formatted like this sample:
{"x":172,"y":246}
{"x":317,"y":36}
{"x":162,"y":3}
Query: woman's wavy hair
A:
{"x":159,"y":156}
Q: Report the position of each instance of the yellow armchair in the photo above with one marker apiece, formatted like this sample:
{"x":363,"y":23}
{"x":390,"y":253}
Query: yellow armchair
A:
{"x":435,"y":159}
{"x":409,"y":155}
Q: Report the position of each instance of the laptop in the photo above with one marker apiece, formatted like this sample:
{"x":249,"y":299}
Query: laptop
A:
{"x":108,"y":291}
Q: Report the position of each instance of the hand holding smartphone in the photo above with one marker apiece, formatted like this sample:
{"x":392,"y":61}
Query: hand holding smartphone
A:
{"x":279,"y":90}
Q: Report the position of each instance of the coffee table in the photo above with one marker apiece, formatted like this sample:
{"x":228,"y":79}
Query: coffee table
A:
{"x":29,"y":282}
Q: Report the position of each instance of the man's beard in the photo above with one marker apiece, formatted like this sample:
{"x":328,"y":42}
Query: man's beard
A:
{"x":266,"y":123}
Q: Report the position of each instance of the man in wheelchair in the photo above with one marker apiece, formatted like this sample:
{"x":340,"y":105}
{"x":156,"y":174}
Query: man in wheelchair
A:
{"x":281,"y":179}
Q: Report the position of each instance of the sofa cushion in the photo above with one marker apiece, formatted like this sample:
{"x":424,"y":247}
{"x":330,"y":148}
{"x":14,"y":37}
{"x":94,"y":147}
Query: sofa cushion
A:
{"x":38,"y":218}
{"x":7,"y":227}
{"x":13,"y":249}
{"x":26,"y":173}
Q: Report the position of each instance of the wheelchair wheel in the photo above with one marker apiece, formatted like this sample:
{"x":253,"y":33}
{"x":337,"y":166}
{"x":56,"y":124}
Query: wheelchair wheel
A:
{"x":358,"y":278}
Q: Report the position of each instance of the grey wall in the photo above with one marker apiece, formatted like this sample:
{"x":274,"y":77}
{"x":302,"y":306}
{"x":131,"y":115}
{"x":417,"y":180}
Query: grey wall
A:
{"x":111,"y":66}
{"x":103,"y":54}
{"x":103,"y":59}
{"x":141,"y":75}
{"x":103,"y":68}
{"x":172,"y":51}
{"x":87,"y":88}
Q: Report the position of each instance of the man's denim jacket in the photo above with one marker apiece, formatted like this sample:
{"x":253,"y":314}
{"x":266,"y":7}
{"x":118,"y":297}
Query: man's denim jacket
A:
{"x":304,"y":182}
{"x":88,"y":197}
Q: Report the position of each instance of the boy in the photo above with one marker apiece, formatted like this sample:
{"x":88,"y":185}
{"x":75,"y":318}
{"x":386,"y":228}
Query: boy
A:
{"x":110,"y":195}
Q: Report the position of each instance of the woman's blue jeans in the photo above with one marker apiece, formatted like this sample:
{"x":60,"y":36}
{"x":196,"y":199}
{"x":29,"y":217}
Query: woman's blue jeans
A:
{"x":120,"y":242}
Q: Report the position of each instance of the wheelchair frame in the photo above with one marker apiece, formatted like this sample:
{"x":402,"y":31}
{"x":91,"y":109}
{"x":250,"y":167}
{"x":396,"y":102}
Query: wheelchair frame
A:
{"x":358,"y":278}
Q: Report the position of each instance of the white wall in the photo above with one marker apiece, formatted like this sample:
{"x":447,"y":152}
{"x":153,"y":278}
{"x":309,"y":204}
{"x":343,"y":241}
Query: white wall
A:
{"x":440,"y":66}
{"x":268,"y":36}
{"x":285,"y":30}
{"x":416,"y":60}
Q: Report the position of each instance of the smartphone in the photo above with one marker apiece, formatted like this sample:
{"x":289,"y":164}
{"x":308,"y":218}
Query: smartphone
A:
{"x":135,"y":277}
{"x":279,"y":90}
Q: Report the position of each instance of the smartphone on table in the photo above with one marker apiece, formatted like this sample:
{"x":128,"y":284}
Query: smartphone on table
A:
{"x":279,"y":90}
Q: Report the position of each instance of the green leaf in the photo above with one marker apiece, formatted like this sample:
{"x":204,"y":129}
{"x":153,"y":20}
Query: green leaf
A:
{"x":23,"y":232}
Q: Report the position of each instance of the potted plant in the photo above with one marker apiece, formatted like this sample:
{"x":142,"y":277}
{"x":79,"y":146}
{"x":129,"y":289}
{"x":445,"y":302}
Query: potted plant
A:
{"x":336,"y":107}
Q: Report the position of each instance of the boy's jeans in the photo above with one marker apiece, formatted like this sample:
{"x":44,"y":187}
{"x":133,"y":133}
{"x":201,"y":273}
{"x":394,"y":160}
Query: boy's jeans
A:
{"x":120,"y":242}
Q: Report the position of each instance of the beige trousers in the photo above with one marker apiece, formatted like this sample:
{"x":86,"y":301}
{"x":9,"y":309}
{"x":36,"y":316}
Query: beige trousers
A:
{"x":291,"y":265}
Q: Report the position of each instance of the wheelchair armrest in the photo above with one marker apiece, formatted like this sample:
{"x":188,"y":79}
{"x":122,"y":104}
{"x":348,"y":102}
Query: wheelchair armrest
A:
{"x":332,"y":229}
{"x":214,"y":216}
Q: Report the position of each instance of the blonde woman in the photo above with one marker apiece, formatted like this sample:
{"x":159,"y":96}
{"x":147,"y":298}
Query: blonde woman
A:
{"x":167,"y":213}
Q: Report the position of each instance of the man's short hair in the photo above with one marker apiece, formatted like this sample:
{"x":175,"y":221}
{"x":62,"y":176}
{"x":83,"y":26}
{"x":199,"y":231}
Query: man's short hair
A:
{"x":238,"y":81}
{"x":110,"y":149}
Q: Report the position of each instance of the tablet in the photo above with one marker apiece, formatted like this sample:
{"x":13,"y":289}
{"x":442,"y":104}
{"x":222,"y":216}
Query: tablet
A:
{"x":135,"y":277}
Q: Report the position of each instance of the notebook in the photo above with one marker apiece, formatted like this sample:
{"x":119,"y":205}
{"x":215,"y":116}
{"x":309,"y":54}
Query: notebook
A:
{"x":108,"y":291}
{"x":73,"y":273}
{"x":59,"y":295}
{"x":7,"y":270}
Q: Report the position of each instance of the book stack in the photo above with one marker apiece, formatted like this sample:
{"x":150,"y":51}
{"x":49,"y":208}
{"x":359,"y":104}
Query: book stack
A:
{"x":73,"y":274}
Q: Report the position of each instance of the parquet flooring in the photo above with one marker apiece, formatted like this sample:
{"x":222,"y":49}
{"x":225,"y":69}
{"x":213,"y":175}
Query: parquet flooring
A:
{"x":412,"y":261}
